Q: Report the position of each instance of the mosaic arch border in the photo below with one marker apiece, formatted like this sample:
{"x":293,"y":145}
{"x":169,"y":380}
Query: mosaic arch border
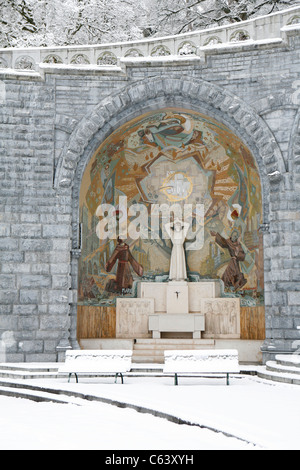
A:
{"x":161,"y":92}
{"x":154,"y":94}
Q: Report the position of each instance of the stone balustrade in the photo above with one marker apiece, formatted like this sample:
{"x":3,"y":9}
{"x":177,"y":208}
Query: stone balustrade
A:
{"x":259,"y":32}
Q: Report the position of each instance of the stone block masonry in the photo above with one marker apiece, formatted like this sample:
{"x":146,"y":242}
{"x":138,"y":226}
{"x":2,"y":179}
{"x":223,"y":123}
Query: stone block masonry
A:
{"x":35,"y":226}
{"x":53,"y":116}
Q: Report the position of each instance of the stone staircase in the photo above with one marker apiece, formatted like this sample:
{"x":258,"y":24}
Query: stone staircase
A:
{"x":151,"y":351}
{"x":28,"y":371}
{"x":285,"y":369}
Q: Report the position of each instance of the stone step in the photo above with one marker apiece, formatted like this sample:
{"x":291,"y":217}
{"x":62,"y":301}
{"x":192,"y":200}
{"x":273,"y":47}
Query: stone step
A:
{"x":148,"y":352}
{"x":286,"y":369}
{"x":272,"y":366}
{"x":175,"y":341}
{"x":152,"y":368}
{"x":34,"y":395}
{"x":148,"y":359}
{"x":278,"y":377}
{"x":32,"y":367}
{"x":288,"y":360}
{"x":28,"y":371}
{"x":152,"y":350}
{"x":17,"y":374}
{"x":163,"y":348}
{"x":164,"y":345}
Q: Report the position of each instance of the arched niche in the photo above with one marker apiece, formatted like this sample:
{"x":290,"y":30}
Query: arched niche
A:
{"x":165,"y":156}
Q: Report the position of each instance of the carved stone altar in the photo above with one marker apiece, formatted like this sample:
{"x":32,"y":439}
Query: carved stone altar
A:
{"x":172,"y":305}
{"x":178,"y":298}
{"x":222,"y":318}
{"x":179,"y":307}
{"x":133,"y":318}
{"x":175,"y":323}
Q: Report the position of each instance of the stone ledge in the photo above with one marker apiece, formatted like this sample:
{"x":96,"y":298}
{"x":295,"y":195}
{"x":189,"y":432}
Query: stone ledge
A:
{"x":227,"y":48}
{"x":11,"y":74}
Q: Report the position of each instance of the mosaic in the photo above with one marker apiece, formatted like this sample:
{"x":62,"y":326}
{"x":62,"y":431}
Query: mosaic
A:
{"x":165,"y":157}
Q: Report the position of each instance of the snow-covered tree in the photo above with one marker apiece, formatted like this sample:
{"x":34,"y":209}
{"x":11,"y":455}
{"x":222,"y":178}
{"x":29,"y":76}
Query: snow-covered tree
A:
{"x":178,"y":16}
{"x":63,"y":22}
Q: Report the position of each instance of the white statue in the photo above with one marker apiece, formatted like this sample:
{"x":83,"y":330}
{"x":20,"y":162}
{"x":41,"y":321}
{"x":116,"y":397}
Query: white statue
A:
{"x":177,"y":232}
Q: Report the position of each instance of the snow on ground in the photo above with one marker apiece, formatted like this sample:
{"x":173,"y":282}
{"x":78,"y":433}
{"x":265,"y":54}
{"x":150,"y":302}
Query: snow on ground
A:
{"x":260,"y":412}
{"x":27,"y":425}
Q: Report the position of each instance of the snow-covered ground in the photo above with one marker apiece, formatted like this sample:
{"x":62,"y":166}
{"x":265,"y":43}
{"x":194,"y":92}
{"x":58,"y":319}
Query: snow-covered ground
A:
{"x":264,"y":414}
{"x":34,"y":426}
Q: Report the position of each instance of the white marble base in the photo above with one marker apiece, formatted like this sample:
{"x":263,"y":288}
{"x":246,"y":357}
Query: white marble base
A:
{"x":178,"y":298}
{"x":179,"y":307}
{"x":222,"y":318}
{"x":196,"y":292}
{"x":203,"y":290}
{"x":133,"y":317}
{"x":156,"y":291}
{"x":249,"y":350}
{"x":165,"y":323}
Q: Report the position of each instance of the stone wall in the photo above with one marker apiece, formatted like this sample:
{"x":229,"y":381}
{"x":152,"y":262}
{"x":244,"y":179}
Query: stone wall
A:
{"x":54,"y":113}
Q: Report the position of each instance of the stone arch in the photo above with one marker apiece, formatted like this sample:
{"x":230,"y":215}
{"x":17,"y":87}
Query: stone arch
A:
{"x":107,"y":58}
{"x":84,"y":182}
{"x":240,"y":35}
{"x":80,"y":59}
{"x":164,"y":91}
{"x":156,"y":93}
{"x":25,"y":63}
{"x":212,"y":41}
{"x":295,"y":148}
{"x":153,"y":94}
{"x":53,"y":59}
{"x":187,"y":48}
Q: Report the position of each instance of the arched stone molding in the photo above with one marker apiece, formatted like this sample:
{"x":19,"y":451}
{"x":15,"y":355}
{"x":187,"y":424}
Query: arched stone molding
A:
{"x":295,"y":151}
{"x":281,"y":102}
{"x":166,"y":91}
{"x":153,"y":94}
{"x":296,"y":140}
{"x":274,"y":102}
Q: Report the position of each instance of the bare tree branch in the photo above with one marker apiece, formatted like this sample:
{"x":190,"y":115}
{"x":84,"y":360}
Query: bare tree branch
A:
{"x":57,"y":22}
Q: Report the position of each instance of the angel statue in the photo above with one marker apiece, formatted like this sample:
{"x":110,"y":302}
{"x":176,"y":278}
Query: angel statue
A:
{"x":177,"y":231}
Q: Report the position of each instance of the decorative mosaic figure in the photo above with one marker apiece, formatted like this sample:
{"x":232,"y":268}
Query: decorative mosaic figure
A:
{"x":294,"y":20}
{"x":107,"y":58}
{"x":212,"y":41}
{"x":187,"y":48}
{"x":53,"y":59}
{"x":232,"y":277}
{"x":3,"y":63}
{"x":124,"y":279}
{"x":134,"y":53}
{"x":240,"y":36}
{"x":160,"y":51}
{"x":24,"y":63}
{"x":80,"y":59}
